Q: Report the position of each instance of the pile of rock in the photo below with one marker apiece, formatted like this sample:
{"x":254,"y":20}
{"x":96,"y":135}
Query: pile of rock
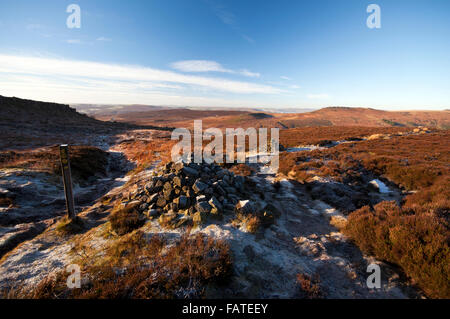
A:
{"x":181,"y":193}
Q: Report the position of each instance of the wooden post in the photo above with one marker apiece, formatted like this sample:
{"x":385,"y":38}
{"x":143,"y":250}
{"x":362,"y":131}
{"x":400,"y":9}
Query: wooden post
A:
{"x":67,"y":178}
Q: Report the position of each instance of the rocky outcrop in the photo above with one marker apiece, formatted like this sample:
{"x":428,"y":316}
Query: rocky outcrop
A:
{"x":189,"y":193}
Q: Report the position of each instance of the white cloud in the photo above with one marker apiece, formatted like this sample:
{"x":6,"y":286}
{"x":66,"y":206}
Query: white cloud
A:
{"x":318,"y":96}
{"x":199,"y":66}
{"x":107,"y":92}
{"x":285,"y":78}
{"x":73,"y":41}
{"x":104,"y":39}
{"x":35,"y":26}
{"x":38,"y":29}
{"x":248,"y":73}
{"x":294,"y":86}
{"x":75,"y":81}
{"x":208,"y":66}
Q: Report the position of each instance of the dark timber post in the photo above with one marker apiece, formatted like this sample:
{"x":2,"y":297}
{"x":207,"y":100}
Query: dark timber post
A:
{"x":67,"y":178}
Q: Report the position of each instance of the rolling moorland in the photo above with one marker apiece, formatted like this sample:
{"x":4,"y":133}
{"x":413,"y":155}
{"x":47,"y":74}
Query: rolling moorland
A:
{"x":355,"y":186}
{"x":329,"y":116}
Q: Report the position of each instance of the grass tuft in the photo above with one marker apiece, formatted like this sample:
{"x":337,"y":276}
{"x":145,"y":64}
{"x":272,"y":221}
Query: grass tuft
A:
{"x":68,"y":227}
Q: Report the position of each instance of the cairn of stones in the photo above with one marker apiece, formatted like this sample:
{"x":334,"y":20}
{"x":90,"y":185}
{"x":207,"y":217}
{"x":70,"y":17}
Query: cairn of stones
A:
{"x":189,"y":193}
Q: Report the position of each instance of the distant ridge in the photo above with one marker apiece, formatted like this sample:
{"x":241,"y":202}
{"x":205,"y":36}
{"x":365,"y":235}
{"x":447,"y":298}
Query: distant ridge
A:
{"x":29,"y":111}
{"x":26,"y":123}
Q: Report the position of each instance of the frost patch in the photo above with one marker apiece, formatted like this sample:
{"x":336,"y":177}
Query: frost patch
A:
{"x":382,"y":188}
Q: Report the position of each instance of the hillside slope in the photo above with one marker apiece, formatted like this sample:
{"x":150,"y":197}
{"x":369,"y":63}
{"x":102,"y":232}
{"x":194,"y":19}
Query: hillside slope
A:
{"x":329,"y":116}
{"x":27,"y":123}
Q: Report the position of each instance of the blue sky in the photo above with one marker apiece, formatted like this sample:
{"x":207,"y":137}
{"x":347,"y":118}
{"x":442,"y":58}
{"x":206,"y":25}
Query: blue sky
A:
{"x":252,"y":53}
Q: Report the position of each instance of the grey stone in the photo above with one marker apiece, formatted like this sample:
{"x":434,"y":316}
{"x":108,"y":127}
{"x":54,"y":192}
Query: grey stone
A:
{"x":199,"y":186}
{"x":177,"y":181}
{"x":203,"y":207}
{"x":153,"y":213}
{"x":152,"y":198}
{"x":182,"y":201}
{"x":230,"y":190}
{"x":214,"y":202}
{"x":199,"y":218}
{"x":190,"y":171}
{"x":246,"y":207}
{"x":167,"y":186}
{"x":201,"y":198}
{"x":161,"y":202}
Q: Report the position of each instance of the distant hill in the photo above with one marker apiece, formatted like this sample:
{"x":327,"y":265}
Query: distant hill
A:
{"x":27,"y":123}
{"x":345,"y":116}
{"x":329,"y":116}
{"x":113,"y":110}
{"x":52,"y":116}
{"x":16,"y":110}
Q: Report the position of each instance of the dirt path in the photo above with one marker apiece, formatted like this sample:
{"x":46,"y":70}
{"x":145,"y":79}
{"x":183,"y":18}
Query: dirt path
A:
{"x":39,"y":196}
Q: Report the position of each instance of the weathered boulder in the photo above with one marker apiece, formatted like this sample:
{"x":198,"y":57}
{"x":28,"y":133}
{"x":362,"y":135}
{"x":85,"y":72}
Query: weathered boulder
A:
{"x":152,"y":198}
{"x":230,"y":190}
{"x":161,"y":202}
{"x":182,"y":202}
{"x":203,"y":207}
{"x":199,"y":218}
{"x":167,"y":186}
{"x":274,"y":210}
{"x":153,"y":213}
{"x":214,"y":202}
{"x":177,"y":181}
{"x":178,"y":166}
{"x":190,"y":171}
{"x":219,"y":190}
{"x":169,"y":194}
{"x":245,"y":207}
{"x":199,"y":186}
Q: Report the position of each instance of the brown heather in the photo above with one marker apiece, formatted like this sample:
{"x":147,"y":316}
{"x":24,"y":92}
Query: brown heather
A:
{"x":414,"y":236}
{"x":138,"y":268}
{"x":85,"y":161}
{"x":323,"y":135}
{"x":309,"y":287}
{"x":125,"y":219}
{"x":416,"y":241}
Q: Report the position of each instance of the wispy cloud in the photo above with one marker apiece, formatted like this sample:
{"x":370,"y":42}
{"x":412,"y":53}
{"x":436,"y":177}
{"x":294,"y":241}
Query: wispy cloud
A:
{"x":73,"y":41}
{"x":249,"y":73}
{"x":294,"y":86}
{"x":224,"y":15}
{"x":209,"y":66}
{"x":104,"y":39}
{"x":318,"y":96}
{"x":228,"y":18}
{"x":34,"y":26}
{"x":77,"y":81}
{"x":199,"y":66}
{"x":285,"y":78}
{"x":68,"y":90}
{"x":39,"y":29}
{"x":246,"y":37}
